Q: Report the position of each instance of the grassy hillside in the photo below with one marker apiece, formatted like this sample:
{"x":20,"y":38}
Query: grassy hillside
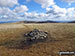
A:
{"x":62,"y":36}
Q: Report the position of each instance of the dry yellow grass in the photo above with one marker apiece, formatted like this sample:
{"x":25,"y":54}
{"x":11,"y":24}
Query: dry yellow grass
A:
{"x":12,"y":35}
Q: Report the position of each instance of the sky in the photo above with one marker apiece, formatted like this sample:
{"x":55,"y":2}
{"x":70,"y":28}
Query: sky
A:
{"x":37,"y":10}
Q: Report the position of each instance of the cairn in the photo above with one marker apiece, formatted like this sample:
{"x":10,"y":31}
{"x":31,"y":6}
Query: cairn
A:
{"x":36,"y":35}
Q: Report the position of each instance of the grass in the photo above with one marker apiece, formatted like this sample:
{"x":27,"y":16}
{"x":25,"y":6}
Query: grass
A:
{"x":12,"y":37}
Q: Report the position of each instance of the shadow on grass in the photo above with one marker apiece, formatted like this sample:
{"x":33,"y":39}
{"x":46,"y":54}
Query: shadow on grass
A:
{"x":19,"y":44}
{"x":22,"y":43}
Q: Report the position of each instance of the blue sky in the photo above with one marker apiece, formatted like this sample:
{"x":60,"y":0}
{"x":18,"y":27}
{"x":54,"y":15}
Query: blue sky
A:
{"x":37,"y":10}
{"x":33,"y":6}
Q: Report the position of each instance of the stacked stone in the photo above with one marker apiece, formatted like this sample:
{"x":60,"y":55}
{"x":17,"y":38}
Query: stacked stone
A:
{"x":37,"y":35}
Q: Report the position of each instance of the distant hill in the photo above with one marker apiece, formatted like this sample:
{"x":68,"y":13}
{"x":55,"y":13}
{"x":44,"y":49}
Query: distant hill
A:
{"x":72,"y":22}
{"x":48,"y":21}
{"x":38,"y":22}
{"x":2,"y":22}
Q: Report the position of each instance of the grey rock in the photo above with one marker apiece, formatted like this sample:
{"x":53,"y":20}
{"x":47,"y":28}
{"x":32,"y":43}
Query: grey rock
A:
{"x":36,"y":35}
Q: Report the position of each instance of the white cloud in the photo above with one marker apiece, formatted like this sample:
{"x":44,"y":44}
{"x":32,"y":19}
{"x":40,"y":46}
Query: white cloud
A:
{"x":31,"y":14}
{"x":4,"y":11}
{"x":56,"y":10}
{"x":58,"y":13}
{"x":48,"y":9}
{"x":8,"y":3}
{"x":71,"y":12}
{"x":69,"y":1}
{"x":35,"y":14}
{"x":7,"y":14}
{"x":45,"y":3}
{"x":54,"y":13}
{"x":21,"y":9}
{"x":42,"y":16}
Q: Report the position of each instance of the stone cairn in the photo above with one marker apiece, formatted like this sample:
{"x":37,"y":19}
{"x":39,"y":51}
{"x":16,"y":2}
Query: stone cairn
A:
{"x":35,"y":35}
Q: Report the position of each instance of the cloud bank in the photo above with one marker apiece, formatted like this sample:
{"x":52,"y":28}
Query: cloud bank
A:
{"x":20,"y":12}
{"x":21,"y":9}
{"x":8,"y":3}
{"x":45,"y":3}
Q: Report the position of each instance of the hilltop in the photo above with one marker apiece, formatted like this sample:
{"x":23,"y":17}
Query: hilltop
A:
{"x":12,"y":39}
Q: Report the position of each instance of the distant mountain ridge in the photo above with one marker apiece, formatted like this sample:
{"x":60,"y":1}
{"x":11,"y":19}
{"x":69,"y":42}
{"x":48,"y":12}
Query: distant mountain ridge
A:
{"x":72,"y":22}
{"x":38,"y":22}
{"x":48,"y":21}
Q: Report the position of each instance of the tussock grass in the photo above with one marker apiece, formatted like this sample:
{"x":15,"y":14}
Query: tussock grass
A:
{"x":12,"y":37}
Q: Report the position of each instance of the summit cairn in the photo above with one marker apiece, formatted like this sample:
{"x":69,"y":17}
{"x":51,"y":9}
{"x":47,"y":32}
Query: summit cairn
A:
{"x":36,"y":35}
